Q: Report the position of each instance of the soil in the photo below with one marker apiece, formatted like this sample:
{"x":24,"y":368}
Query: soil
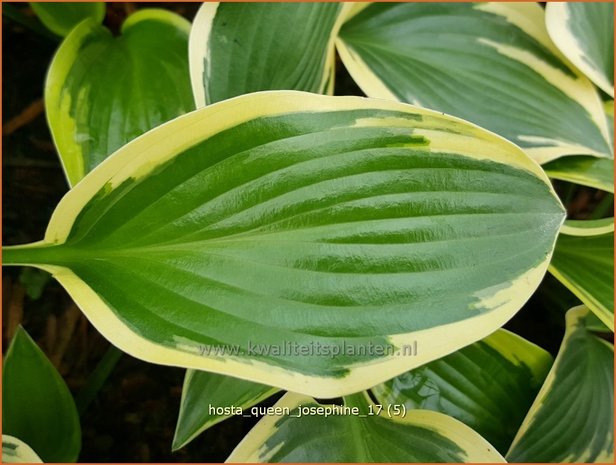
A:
{"x":133,"y":416}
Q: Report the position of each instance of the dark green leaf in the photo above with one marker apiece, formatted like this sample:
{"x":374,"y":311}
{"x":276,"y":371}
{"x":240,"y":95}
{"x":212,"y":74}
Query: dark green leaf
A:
{"x":237,"y":48}
{"x":299,"y":432}
{"x":37,"y":407}
{"x":488,"y":385}
{"x":61,"y":17}
{"x":206,"y":395}
{"x":572,"y":419}
{"x":491,"y":63}
{"x":103,"y":91}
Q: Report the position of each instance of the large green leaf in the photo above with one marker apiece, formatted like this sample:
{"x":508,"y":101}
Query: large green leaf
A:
{"x":303,"y":241}
{"x":103,"y":91}
{"x":572,"y":419}
{"x":297,"y":432}
{"x":37,"y":407}
{"x":584,"y":262}
{"x":16,"y":451}
{"x":207,"y":399}
{"x":237,"y":48}
{"x":61,"y":17}
{"x":584,"y":32}
{"x":488,"y":385}
{"x":489,"y":63}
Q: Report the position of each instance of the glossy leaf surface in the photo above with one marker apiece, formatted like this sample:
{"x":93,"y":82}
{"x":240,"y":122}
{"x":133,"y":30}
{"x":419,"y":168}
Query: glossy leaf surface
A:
{"x":37,"y":407}
{"x":490,"y":63}
{"x":417,"y":436}
{"x":237,"y":48}
{"x":303,"y":241}
{"x":572,"y":419}
{"x":103,"y":91}
{"x":488,"y":385}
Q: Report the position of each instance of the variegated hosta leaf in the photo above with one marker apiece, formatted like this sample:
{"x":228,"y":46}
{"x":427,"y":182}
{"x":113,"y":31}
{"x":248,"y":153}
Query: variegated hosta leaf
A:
{"x":303,"y":241}
{"x":103,"y":91}
{"x":37,"y":407}
{"x":488,"y":385}
{"x":572,"y":418}
{"x":205,"y":395}
{"x":237,"y":48}
{"x":300,"y":433}
{"x":489,"y":63}
{"x":585,"y":170}
{"x":61,"y":17}
{"x":584,"y":33}
{"x":588,"y":227}
{"x":16,"y":451}
{"x":584,"y":262}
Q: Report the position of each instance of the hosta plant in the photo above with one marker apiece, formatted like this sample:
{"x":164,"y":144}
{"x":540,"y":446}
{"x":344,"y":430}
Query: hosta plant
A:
{"x":226,"y":218}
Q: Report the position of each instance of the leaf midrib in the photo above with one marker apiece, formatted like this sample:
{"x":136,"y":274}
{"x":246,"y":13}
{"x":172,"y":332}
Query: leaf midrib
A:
{"x":260,"y":236}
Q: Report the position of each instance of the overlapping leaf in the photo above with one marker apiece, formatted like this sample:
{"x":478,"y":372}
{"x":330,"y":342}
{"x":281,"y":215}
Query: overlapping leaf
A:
{"x":16,"y":451}
{"x":585,"y":170}
{"x":584,"y":32}
{"x":61,"y":17}
{"x":203,"y":394}
{"x":488,"y":385}
{"x":237,"y":48}
{"x":593,"y":323}
{"x":588,"y":227}
{"x":103,"y":91}
{"x":275,"y":220}
{"x":369,"y":435}
{"x":584,"y":262}
{"x":489,"y":63}
{"x":608,"y":108}
{"x":572,"y":418}
{"x":37,"y":407}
